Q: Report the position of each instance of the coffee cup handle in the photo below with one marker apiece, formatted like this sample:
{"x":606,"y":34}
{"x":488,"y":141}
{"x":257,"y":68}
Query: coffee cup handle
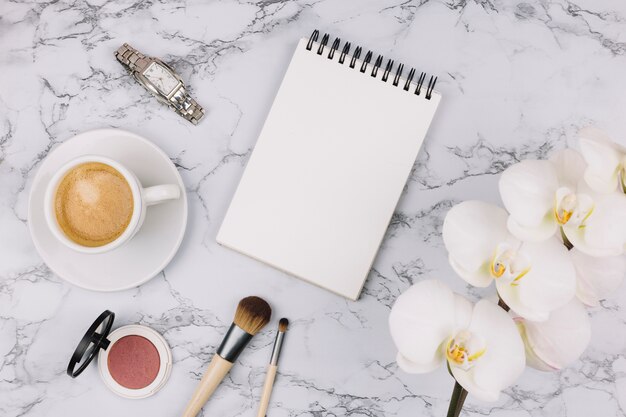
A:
{"x":160,"y":193}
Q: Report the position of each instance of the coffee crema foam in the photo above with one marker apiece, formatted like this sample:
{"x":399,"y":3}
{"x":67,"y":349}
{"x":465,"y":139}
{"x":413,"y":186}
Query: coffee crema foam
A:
{"x":93,"y":204}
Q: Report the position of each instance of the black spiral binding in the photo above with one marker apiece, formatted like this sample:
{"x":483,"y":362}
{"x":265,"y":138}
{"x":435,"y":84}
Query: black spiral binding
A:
{"x":377,"y":64}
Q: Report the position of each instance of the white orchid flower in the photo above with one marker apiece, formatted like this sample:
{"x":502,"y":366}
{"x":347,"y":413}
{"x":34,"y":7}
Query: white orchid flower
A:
{"x":481,"y":344}
{"x":603,"y":234}
{"x":606,"y":161}
{"x":542,"y":196}
{"x":532,"y":278}
{"x":556,"y":343}
{"x":597,"y":278}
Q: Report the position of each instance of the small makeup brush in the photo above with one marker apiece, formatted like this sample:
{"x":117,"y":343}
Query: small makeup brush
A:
{"x":273,"y":367}
{"x":252,"y":314}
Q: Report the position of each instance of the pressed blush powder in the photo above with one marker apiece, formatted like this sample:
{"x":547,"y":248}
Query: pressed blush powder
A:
{"x":133,"y":362}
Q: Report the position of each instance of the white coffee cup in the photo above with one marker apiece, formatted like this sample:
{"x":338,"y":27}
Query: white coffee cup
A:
{"x":142,"y":198}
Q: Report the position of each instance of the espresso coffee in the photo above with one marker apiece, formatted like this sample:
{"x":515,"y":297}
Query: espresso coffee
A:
{"x":93,"y":204}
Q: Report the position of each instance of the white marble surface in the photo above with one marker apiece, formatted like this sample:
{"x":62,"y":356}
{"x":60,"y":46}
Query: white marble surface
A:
{"x":518,"y":80}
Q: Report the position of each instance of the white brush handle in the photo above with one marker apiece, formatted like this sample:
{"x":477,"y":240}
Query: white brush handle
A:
{"x":267,"y":390}
{"x":215,"y":373}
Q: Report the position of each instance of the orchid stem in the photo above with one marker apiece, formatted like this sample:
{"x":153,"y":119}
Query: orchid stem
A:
{"x":459,"y":394}
{"x":566,"y":241}
{"x":503,"y":305}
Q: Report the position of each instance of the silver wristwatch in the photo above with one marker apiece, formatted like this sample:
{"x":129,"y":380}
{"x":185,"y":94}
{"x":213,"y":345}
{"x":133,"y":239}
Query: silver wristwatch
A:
{"x":158,"y":78}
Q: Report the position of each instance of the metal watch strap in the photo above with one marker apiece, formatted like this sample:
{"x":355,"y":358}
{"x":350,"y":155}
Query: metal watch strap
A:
{"x":181,"y":101}
{"x":131,"y":58}
{"x":186,"y":106}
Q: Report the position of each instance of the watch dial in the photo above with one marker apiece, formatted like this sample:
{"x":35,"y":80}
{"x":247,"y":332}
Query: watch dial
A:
{"x":162,"y":79}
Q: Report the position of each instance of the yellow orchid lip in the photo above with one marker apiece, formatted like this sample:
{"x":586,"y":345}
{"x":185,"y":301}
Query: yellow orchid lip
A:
{"x":496,"y":268}
{"x":572,"y":208}
{"x":562,"y":216}
{"x":564,"y":206}
{"x":458,"y":353}
{"x":509,"y":263}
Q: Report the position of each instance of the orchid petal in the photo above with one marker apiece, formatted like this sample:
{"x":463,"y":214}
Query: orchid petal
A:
{"x":549,"y":284}
{"x":421,"y":319}
{"x":603,"y":158}
{"x":510,"y":295}
{"x":471,"y":231}
{"x":503,"y":360}
{"x":532,"y":360}
{"x":411,"y":367}
{"x":597,"y":277}
{"x":559,"y":341}
{"x":569,"y":166}
{"x":527,"y":191}
{"x":604,"y":232}
{"x":462,"y":312}
{"x":540,"y":232}
{"x":478,"y":278}
{"x":466,"y":380}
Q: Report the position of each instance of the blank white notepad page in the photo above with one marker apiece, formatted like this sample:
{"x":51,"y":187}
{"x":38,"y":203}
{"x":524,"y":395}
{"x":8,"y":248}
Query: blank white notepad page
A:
{"x":327,"y":171}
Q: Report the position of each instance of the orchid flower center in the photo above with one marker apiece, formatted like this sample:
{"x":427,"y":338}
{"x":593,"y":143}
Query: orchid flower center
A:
{"x":572,"y":208}
{"x":464,"y":349}
{"x":509,"y":263}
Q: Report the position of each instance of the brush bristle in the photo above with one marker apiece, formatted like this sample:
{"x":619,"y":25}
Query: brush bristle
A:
{"x":252,"y":314}
{"x":283,"y":324}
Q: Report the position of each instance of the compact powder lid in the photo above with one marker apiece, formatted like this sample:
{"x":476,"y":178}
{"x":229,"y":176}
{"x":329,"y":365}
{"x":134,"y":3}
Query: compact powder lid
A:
{"x":93,"y":341}
{"x":134,"y":361}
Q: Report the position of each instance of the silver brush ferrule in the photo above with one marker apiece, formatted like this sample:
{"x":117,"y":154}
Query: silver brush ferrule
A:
{"x":278,"y":345}
{"x":234,"y":342}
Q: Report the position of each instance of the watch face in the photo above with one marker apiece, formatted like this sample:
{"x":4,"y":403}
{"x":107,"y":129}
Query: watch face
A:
{"x":160,"y":76}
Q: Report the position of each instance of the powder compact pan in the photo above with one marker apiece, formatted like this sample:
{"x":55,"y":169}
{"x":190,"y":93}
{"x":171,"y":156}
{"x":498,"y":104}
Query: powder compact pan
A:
{"x":134,"y":361}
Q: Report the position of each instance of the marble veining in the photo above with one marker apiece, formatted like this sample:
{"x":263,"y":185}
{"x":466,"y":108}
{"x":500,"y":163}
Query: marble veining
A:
{"x":518,"y":80}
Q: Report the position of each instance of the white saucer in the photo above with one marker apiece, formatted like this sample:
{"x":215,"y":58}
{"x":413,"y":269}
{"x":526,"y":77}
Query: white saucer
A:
{"x":149,"y":251}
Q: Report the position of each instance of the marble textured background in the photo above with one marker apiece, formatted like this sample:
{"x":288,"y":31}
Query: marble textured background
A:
{"x":518,"y":79}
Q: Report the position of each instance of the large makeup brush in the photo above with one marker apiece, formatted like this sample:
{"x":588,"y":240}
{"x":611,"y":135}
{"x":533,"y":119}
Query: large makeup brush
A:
{"x":252,"y":314}
{"x":273,"y":367}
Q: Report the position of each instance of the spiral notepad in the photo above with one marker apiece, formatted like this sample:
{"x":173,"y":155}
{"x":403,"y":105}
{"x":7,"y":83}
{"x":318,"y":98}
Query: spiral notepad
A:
{"x":330,"y":164}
